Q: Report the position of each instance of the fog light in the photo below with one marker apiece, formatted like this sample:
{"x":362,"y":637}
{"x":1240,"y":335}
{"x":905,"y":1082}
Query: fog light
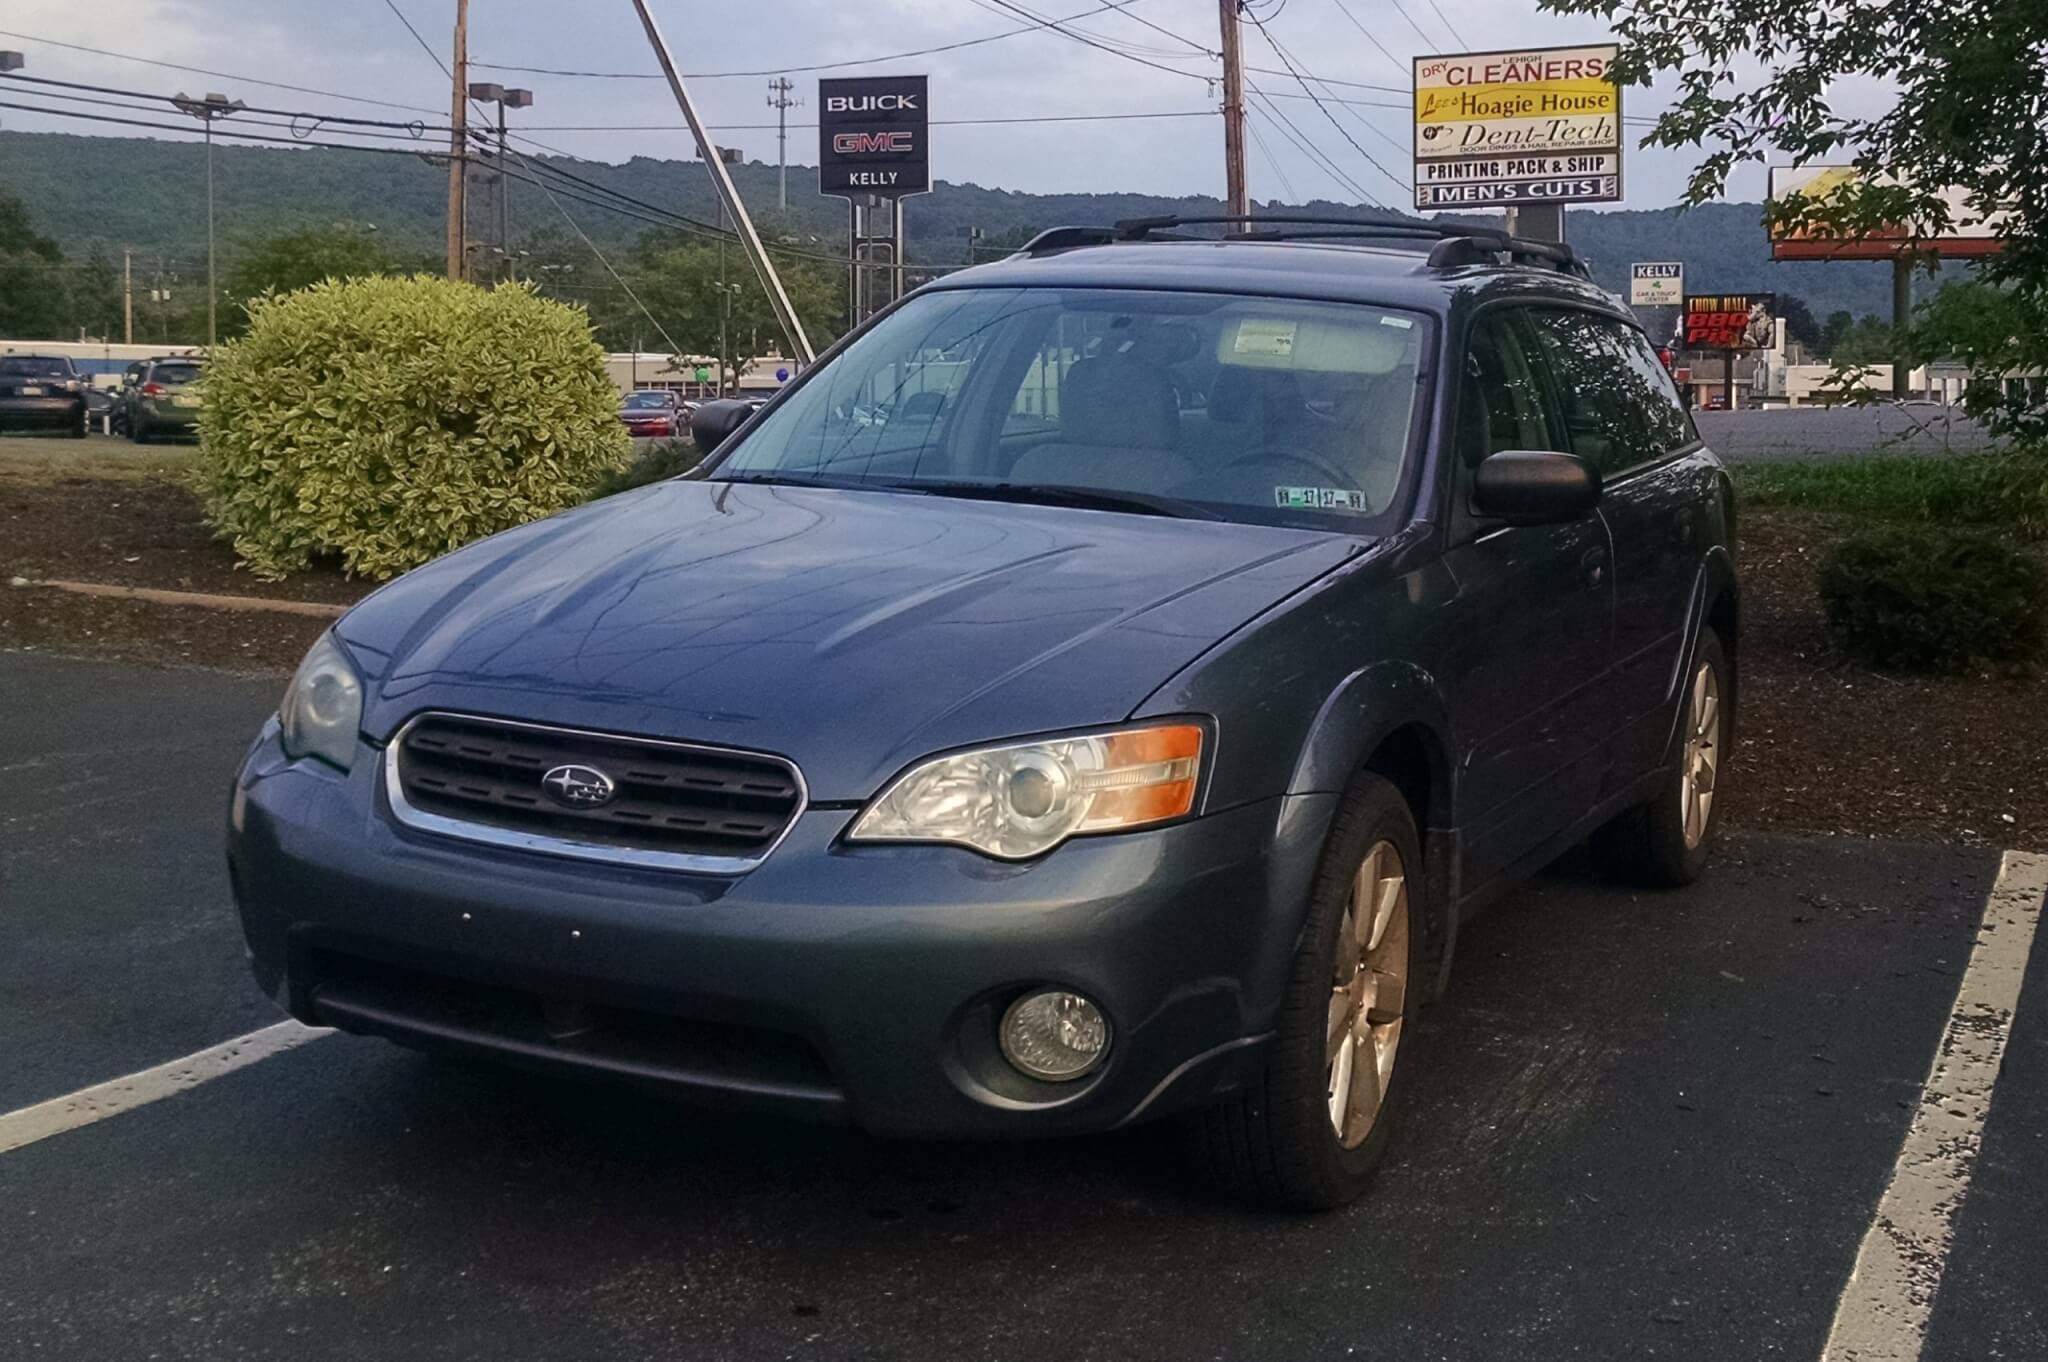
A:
{"x":1054,"y":1035}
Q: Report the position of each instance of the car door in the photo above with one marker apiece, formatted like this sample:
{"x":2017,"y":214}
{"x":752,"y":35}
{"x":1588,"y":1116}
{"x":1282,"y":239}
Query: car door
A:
{"x":1622,"y":414}
{"x":1525,"y":654}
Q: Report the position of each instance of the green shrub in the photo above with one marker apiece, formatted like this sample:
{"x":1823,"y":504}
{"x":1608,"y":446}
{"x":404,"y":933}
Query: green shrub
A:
{"x":386,"y":421}
{"x":660,"y":461}
{"x":2007,"y":490}
{"x":1934,"y":600}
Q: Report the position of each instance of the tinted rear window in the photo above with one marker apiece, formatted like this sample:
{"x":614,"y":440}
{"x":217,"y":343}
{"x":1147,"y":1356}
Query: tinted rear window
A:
{"x":34,"y":366}
{"x":639,"y":401}
{"x":175,"y":373}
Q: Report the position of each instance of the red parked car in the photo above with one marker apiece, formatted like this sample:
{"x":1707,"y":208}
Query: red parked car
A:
{"x":651,"y":411}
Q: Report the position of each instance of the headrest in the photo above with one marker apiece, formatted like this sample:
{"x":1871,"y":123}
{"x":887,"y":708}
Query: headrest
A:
{"x":1121,"y":401}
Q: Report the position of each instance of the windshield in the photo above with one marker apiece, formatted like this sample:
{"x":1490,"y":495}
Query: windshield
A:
{"x":645,"y":401}
{"x":34,"y":366}
{"x":1263,"y":409}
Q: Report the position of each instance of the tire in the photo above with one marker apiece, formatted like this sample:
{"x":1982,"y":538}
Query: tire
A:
{"x":1667,"y":841}
{"x":1277,"y":1144}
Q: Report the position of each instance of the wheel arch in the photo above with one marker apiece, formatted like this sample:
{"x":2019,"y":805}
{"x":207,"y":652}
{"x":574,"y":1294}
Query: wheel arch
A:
{"x":1389,"y":720}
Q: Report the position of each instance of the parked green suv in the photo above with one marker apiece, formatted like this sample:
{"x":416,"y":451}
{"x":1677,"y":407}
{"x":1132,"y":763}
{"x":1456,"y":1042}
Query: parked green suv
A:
{"x":159,"y":397}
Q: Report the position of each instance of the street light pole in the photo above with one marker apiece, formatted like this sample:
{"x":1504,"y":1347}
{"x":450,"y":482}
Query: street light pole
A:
{"x":490,"y":92}
{"x":215,"y":106}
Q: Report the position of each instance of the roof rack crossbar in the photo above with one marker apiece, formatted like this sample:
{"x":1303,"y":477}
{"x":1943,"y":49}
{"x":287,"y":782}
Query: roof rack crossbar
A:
{"x":1457,"y":244}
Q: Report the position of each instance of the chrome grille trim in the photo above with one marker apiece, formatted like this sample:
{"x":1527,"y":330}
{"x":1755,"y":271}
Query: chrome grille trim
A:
{"x":423,"y":820}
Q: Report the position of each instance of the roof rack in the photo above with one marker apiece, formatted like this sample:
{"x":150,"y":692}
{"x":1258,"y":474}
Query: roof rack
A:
{"x":1456,"y":244}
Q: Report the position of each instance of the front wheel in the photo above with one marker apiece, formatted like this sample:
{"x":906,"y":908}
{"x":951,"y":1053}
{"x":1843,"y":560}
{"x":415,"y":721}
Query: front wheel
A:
{"x":1666,"y":841}
{"x":1309,"y":1131}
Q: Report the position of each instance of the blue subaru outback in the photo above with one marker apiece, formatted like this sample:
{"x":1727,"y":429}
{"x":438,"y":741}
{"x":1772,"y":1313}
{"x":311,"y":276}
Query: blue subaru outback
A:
{"x":1094,"y":693}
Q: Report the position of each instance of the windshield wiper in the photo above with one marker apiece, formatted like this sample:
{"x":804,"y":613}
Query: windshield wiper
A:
{"x":810,"y":480}
{"x":1057,"y":494}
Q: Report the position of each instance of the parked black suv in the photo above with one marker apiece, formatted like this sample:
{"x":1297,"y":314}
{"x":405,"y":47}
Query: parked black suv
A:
{"x":1123,"y":737}
{"x":42,"y":392}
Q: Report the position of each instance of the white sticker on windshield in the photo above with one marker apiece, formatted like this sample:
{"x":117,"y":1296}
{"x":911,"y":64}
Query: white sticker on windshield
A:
{"x":1402,"y":322}
{"x":1319,"y":499}
{"x":1273,"y":339}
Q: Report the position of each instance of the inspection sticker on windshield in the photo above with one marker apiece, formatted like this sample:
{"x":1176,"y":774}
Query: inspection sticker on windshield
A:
{"x":1319,"y":499}
{"x":1271,"y":339}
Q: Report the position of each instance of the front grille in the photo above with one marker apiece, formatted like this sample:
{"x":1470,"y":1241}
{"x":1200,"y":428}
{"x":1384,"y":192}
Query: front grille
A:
{"x":671,"y":803}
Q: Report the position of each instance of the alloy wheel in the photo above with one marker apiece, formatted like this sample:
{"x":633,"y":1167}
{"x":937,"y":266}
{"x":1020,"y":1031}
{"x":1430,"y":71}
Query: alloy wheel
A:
{"x":1368,"y":994}
{"x":1702,"y":758}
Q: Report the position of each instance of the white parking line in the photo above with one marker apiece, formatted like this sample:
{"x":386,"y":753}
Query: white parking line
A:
{"x":1884,"y":1310}
{"x":101,"y":1100}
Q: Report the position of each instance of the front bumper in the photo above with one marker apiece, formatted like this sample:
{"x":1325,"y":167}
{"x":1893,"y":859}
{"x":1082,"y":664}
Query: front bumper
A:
{"x":848,"y":984}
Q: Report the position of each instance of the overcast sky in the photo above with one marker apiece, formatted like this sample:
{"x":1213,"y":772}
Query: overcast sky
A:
{"x":359,"y":47}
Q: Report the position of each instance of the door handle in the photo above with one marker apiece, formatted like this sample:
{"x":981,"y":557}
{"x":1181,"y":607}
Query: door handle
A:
{"x":1593,"y":568}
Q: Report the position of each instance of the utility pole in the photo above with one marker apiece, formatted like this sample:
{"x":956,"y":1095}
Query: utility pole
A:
{"x":779,"y":100}
{"x":458,"y":145}
{"x":127,"y":296}
{"x":1233,"y":111}
{"x":1902,"y":321}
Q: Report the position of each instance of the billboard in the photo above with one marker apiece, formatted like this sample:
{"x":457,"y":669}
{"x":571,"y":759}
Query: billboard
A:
{"x":1660,"y":284}
{"x":873,"y":136}
{"x":1528,"y":126}
{"x":1968,"y":234}
{"x":1730,"y":321}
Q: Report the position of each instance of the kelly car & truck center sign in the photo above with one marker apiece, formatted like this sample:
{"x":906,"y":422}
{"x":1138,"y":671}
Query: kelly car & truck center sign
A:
{"x":1495,"y":129}
{"x":873,"y":136}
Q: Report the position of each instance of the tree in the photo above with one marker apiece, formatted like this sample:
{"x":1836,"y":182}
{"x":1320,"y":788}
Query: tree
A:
{"x":1800,"y":324}
{"x":1836,"y":331}
{"x":1970,"y":86}
{"x":296,"y":260}
{"x":34,"y":302}
{"x":681,"y":280}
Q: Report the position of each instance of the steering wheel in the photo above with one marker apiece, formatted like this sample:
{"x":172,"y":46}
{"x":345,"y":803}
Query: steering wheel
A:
{"x":1334,"y":476}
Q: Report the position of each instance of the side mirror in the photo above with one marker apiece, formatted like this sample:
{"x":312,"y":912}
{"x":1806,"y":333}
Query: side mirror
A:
{"x":1534,"y":487}
{"x":714,"y":422}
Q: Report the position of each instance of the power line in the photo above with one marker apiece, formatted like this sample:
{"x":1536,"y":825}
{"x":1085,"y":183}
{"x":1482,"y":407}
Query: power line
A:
{"x":1373,"y":38}
{"x":1272,"y":161}
{"x":814,"y":66}
{"x":1055,"y":26}
{"x":277,"y":143}
{"x":504,"y":145}
{"x":223,"y":75}
{"x":936,"y":122}
{"x":1279,"y":52}
{"x":1300,"y":139}
{"x":1457,"y":38}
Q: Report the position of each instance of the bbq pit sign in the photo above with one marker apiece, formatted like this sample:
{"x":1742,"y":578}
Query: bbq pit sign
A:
{"x":1531,"y":126}
{"x":873,"y":136}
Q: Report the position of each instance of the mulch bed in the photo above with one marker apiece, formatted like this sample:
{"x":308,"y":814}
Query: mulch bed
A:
{"x":135,"y":532}
{"x":1826,"y":746}
{"x":1829,"y":746}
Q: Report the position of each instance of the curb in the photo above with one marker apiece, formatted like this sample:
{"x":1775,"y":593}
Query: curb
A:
{"x":156,"y":596}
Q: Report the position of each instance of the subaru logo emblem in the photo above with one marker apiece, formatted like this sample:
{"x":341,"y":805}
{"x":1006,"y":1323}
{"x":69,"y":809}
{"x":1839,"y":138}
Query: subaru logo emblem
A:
{"x":578,"y":787}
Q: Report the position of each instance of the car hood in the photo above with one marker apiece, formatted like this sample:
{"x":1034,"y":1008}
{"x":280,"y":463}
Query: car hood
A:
{"x":851,"y":631}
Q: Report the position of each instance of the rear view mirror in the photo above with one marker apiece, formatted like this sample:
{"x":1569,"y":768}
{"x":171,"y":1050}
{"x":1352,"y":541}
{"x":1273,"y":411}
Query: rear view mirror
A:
{"x":1534,"y":487}
{"x":714,"y":423}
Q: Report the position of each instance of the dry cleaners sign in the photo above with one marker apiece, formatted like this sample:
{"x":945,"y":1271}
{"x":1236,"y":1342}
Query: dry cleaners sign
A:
{"x":1499,"y":129}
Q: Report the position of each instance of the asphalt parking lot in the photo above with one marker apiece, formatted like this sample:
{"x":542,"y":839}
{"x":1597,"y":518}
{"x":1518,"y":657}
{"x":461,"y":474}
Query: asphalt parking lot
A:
{"x":1644,"y":1126}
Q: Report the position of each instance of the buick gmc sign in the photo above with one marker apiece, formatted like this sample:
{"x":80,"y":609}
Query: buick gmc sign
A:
{"x":872,"y":133}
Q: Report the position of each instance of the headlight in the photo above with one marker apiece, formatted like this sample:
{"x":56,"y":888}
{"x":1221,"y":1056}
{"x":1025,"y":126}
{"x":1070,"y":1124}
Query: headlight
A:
{"x":1024,"y":799}
{"x":323,"y":706}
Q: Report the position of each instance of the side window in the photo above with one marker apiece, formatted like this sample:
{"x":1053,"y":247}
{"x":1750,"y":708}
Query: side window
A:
{"x":1620,"y":408}
{"x":1500,"y":397}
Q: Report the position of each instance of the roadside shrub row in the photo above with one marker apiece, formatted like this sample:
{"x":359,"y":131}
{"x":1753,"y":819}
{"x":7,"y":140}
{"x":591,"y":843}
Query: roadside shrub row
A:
{"x":2003,"y":491}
